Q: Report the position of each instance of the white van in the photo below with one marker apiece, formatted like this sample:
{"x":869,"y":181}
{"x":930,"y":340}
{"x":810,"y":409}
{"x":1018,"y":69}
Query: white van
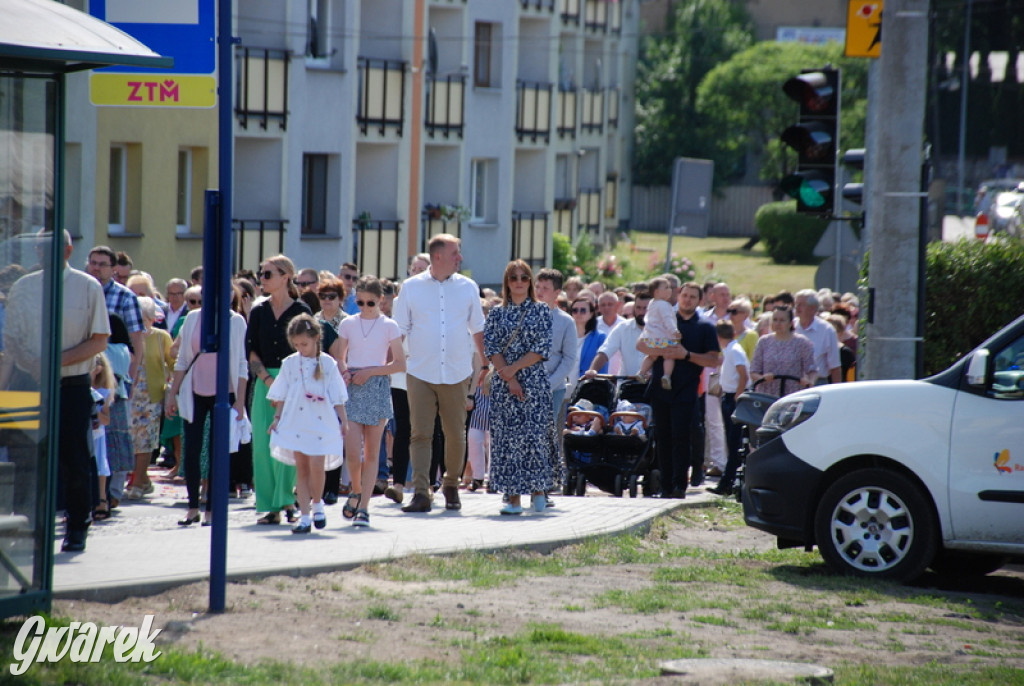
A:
{"x":889,"y":478}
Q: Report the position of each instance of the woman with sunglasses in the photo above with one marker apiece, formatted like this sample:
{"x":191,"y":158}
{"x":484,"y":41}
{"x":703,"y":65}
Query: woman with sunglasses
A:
{"x":517,"y":340}
{"x":331,"y":293}
{"x":588,"y":338}
{"x":369,"y":351}
{"x":266,"y":342}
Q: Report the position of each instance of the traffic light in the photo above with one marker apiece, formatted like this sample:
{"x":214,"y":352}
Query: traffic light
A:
{"x":854,"y":159}
{"x":816,"y":140}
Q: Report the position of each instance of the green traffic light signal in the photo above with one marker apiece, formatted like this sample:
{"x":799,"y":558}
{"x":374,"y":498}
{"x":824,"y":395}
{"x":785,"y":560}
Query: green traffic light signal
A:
{"x":812,"y":191}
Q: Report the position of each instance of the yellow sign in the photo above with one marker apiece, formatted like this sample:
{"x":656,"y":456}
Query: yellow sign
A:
{"x":864,"y":28}
{"x":153,"y":90}
{"x":19,"y":410}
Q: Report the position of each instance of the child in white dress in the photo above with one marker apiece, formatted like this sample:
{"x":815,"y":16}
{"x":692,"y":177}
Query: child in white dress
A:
{"x":660,"y":330}
{"x":308,"y":430}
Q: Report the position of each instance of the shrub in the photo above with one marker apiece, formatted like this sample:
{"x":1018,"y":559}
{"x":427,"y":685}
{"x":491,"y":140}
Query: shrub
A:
{"x":972,"y":289}
{"x":561,"y":254}
{"x":788,"y":237}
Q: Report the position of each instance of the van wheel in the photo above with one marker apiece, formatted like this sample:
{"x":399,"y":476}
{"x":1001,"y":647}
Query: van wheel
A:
{"x":959,"y":563}
{"x":876,"y":523}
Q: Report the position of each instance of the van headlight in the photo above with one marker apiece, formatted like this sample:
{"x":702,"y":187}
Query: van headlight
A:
{"x":788,"y":412}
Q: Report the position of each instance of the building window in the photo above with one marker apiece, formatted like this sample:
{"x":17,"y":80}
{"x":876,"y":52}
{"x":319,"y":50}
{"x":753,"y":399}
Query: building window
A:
{"x":483,"y":189}
{"x":318,"y":36}
{"x":485,"y":55}
{"x":183,"y":205}
{"x":314,"y":195}
{"x":116,"y":207}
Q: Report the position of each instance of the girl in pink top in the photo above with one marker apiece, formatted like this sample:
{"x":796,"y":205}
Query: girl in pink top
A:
{"x":660,"y":330}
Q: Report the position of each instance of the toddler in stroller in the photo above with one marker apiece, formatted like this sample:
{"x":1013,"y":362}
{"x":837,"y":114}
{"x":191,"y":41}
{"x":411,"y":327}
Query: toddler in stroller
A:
{"x":584,"y":418}
{"x":629,"y":419}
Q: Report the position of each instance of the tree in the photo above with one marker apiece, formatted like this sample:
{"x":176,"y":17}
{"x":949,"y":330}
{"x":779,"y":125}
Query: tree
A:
{"x":700,"y":35}
{"x":743,"y":108}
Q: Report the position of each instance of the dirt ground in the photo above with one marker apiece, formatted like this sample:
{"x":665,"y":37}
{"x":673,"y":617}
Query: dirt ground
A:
{"x":341,"y":613}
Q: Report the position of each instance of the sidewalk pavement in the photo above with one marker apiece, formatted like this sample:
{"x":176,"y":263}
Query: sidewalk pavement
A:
{"x":141,"y":550}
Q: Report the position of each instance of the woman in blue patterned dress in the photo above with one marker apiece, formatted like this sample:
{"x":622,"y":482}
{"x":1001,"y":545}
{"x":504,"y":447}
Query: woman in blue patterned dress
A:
{"x":517,"y":339}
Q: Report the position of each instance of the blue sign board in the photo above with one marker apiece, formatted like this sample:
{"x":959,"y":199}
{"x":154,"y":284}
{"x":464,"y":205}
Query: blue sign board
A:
{"x":182,"y":29}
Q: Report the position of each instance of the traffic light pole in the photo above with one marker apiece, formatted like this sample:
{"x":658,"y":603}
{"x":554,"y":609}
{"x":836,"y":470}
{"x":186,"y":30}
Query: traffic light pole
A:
{"x":893,"y":185}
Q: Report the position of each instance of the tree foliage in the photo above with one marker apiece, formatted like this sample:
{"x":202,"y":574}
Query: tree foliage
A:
{"x":701,"y":34}
{"x":743,"y":108}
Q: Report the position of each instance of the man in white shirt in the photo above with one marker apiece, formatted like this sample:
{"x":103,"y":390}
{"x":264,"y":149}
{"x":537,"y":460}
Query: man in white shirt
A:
{"x":175,"y":307}
{"x":715,"y":451}
{"x":622,"y":341}
{"x":822,"y":335}
{"x":608,"y":307}
{"x":440,"y":316}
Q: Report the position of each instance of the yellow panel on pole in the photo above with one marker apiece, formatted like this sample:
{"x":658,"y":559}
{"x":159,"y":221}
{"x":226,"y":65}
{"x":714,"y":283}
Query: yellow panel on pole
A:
{"x":864,"y":28}
{"x":153,"y":90}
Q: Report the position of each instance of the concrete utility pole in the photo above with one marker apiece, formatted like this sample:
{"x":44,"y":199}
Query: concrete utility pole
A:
{"x":892,"y":177}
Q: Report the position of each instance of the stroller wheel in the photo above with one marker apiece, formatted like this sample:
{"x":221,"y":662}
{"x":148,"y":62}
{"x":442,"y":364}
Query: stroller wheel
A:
{"x":569,"y":487}
{"x":652,"y":483}
{"x":617,"y":486}
{"x":633,"y":485}
{"x":581,"y":485}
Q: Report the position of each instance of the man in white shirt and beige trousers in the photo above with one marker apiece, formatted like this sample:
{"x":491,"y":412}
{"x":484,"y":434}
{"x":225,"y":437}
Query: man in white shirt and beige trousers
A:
{"x":439,"y":313}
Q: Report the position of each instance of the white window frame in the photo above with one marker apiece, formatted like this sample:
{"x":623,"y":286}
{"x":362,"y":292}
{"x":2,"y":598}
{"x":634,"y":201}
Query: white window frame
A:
{"x":184,"y":189}
{"x":482,"y":190}
{"x":117,"y":208}
{"x":323,"y":186}
{"x":319,"y":11}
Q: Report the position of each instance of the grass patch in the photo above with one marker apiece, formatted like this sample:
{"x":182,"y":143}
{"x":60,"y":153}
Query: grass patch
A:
{"x":382,"y":612}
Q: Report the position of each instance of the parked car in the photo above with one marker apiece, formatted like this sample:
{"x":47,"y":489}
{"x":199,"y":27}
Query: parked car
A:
{"x":995,"y":203}
{"x":889,"y":478}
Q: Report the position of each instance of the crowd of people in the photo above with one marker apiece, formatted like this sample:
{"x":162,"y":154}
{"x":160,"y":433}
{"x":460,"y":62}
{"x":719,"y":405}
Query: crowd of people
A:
{"x":345,"y":386}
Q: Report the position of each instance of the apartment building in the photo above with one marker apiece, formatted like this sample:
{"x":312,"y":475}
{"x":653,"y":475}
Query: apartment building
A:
{"x":364,"y":127}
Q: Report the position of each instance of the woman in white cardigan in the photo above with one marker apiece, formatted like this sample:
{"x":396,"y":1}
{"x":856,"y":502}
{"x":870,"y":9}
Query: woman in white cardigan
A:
{"x":193,"y":394}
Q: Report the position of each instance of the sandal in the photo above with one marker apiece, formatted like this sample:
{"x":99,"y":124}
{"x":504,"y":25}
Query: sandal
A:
{"x":270,"y":518}
{"x":291,"y":515}
{"x":362,"y":518}
{"x":101,"y":512}
{"x":351,"y":505}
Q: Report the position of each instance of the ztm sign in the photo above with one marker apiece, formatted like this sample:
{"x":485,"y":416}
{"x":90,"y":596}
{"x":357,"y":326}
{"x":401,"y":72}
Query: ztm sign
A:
{"x":150,"y":90}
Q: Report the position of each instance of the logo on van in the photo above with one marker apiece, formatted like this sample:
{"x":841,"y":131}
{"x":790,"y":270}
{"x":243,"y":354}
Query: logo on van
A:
{"x":1002,"y":461}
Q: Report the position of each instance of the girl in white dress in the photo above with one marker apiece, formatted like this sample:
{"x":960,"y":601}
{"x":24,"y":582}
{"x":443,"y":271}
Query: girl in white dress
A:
{"x":309,"y":397}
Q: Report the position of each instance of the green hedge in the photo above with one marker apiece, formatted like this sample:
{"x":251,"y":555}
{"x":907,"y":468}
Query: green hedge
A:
{"x":789,"y":237}
{"x":972,"y":290}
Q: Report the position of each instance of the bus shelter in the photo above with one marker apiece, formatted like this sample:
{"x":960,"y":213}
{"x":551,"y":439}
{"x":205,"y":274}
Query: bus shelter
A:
{"x":41,"y":41}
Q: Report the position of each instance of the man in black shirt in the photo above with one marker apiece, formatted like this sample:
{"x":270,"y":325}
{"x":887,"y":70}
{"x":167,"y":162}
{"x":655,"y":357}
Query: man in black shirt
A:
{"x":673,"y":408}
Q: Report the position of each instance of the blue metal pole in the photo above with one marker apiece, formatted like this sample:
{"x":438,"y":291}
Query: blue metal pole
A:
{"x":217,"y":281}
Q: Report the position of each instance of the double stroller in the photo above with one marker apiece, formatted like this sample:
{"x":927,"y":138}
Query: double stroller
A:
{"x":609,"y":438}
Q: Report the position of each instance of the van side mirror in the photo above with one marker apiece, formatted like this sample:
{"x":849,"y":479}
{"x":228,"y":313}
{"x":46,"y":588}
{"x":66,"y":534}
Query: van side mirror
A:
{"x":977,"y":369}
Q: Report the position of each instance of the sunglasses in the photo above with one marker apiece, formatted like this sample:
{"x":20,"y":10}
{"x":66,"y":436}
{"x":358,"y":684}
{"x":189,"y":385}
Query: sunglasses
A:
{"x":521,"y":278}
{"x":732,"y":310}
{"x":195,"y":301}
{"x":304,"y":284}
{"x":315,"y":398}
{"x":328,"y":296}
{"x":581,"y":310}
{"x":348,"y":277}
{"x":366,"y":303}
{"x":267,"y":274}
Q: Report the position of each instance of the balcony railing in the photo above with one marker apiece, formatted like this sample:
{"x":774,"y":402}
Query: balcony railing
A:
{"x":590,"y":210}
{"x":611,"y":194}
{"x":567,"y":111}
{"x":375,"y":246}
{"x":262,"y":86}
{"x":562,"y":220}
{"x":446,"y":99}
{"x":595,"y":15}
{"x":569,"y":11}
{"x":433,"y":226}
{"x":613,"y":106}
{"x":593,"y":111}
{"x":256,"y":239}
{"x":539,"y":5}
{"x":381,"y":95}
{"x":530,"y":237}
{"x":533,"y":110}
